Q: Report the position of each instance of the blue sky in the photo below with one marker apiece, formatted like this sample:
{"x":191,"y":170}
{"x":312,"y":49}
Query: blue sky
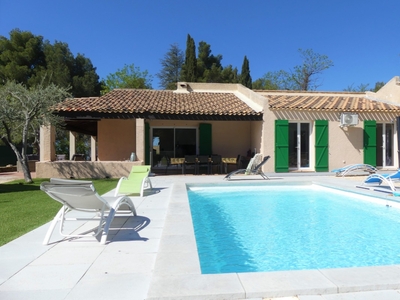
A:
{"x":362,"y":38}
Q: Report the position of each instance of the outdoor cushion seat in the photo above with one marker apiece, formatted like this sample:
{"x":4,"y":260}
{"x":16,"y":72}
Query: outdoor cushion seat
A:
{"x":81,"y":196}
{"x":231,"y":161}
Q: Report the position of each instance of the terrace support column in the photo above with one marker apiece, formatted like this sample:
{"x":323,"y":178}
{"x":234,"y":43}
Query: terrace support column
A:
{"x":140,"y":140}
{"x":72,"y":144}
{"x":93,"y":156}
{"x":47,"y":143}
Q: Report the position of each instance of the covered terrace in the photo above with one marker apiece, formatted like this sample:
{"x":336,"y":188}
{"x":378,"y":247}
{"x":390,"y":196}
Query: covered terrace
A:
{"x":158,"y":127}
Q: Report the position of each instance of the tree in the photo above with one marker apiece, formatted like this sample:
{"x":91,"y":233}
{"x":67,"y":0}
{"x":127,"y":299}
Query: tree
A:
{"x":22,"y":109}
{"x":58,"y":64}
{"x":171,"y":67}
{"x":85,"y":81}
{"x":21,"y":57}
{"x":361,"y":88}
{"x":28,"y":59}
{"x":245,"y":77}
{"x":189,"y":72}
{"x":278,"y":80}
{"x":229,"y":75}
{"x":378,"y":86}
{"x":129,"y":77}
{"x":208,"y":66}
{"x":304,"y":77}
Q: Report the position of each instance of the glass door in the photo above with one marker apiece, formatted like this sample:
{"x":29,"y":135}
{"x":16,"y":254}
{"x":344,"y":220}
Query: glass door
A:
{"x":299,"y":145}
{"x":384,"y":152}
{"x":163,"y":145}
{"x":185,"y":142}
{"x":172,"y":142}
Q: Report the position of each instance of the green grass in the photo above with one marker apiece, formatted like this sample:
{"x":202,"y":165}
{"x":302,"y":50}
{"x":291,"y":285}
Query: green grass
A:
{"x":24,"y":207}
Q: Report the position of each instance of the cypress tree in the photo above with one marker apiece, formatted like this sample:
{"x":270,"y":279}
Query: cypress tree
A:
{"x":245,"y":78}
{"x":189,"y":68}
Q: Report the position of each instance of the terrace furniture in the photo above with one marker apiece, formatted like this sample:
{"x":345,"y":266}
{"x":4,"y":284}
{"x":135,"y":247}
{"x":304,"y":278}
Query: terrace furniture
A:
{"x":254,"y":167}
{"x":379,"y":178}
{"x":355,"y":167}
{"x":203,"y":161}
{"x":78,"y":157}
{"x":135,"y":184}
{"x":81,"y":196}
{"x":177,"y":161}
{"x":190,"y":161}
{"x":226,"y":161}
{"x":382,"y":182}
{"x":216,"y":161}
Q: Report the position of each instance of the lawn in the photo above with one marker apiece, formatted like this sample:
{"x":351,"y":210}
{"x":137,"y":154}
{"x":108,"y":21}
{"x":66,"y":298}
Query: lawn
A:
{"x":24,"y":207}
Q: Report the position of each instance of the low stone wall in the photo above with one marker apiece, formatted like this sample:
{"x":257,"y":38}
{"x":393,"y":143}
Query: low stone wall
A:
{"x":84,"y":169}
{"x":31,"y":163}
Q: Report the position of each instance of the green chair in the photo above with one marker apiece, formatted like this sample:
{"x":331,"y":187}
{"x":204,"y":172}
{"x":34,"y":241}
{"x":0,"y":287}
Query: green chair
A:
{"x":137,"y":181}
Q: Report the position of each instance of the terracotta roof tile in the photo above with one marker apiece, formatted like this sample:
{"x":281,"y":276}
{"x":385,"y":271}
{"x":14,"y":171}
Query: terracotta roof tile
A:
{"x":330,"y":102}
{"x":159,"y":102}
{"x":131,"y":101}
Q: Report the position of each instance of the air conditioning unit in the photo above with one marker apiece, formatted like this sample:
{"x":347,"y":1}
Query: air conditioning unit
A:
{"x":348,"y":119}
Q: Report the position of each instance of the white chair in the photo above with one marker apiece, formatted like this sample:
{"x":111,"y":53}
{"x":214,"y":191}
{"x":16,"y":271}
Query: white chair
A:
{"x":353,"y":168}
{"x":81,"y":196}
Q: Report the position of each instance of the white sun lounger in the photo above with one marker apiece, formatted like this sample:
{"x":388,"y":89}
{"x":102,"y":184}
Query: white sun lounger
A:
{"x":81,"y":196}
{"x":355,"y":167}
{"x":382,"y":182}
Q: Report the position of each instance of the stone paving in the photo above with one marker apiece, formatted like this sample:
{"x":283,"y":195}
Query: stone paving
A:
{"x":153,"y":256}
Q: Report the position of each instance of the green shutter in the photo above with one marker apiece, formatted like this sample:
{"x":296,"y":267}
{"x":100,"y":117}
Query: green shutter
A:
{"x":147,"y":143}
{"x":281,"y":146}
{"x":205,"y":139}
{"x":321,"y":146}
{"x":370,"y":142}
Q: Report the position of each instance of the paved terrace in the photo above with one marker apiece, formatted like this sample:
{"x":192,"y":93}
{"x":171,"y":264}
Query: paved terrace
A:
{"x":153,"y":256}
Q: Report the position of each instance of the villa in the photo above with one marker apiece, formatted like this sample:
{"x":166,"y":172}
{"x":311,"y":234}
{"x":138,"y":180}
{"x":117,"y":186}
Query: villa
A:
{"x":155,"y":254}
{"x":302,"y":131}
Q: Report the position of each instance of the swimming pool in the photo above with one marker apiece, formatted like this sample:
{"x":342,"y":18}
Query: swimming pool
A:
{"x":272,"y":228}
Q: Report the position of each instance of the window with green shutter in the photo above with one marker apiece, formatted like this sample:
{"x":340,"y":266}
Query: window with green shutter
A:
{"x":205,"y":139}
{"x":370,"y":142}
{"x":281,"y":146}
{"x":321,"y":146}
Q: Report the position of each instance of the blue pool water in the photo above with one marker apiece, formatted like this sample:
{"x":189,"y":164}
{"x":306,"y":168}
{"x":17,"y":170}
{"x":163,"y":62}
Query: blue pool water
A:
{"x":271,"y":228}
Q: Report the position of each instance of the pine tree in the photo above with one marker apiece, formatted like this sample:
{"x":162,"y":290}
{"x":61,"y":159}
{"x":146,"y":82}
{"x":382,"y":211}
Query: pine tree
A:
{"x":208,"y":66}
{"x":29,"y":59}
{"x":245,"y":78}
{"x":171,"y":67}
